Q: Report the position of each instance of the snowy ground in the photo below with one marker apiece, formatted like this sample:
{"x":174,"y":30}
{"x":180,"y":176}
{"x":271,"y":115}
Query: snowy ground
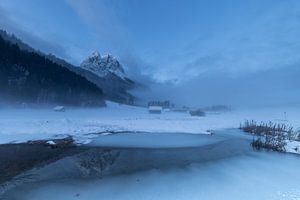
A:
{"x":19,"y":125}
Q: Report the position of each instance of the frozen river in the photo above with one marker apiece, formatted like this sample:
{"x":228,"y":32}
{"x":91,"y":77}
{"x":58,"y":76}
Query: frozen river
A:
{"x":164,"y":166}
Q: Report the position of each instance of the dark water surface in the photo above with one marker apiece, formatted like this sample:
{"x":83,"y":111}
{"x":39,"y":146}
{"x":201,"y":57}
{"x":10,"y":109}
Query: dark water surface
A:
{"x":128,"y":154}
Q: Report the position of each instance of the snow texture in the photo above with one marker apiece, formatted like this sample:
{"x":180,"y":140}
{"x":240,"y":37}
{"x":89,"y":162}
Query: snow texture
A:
{"x":103,"y":65}
{"x":20,"y":125}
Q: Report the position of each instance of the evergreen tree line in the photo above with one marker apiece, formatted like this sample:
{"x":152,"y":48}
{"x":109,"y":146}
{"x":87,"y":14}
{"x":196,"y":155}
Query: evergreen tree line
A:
{"x":27,"y":77}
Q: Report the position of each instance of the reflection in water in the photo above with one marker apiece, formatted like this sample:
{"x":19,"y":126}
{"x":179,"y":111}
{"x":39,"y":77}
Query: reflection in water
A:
{"x":226,"y":169}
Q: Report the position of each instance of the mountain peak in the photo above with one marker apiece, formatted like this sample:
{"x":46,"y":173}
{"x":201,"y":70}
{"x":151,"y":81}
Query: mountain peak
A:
{"x":103,"y":65}
{"x":95,"y":54}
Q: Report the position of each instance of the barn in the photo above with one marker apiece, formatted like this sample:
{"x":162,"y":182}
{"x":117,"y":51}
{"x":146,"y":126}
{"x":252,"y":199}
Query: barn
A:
{"x":155,"y":109}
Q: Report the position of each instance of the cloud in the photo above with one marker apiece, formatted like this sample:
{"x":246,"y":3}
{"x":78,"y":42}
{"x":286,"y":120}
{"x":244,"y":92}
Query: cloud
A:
{"x":255,"y":62}
{"x":224,"y":63}
{"x":268,"y":39}
{"x":27,"y":35}
{"x":271,"y":87}
{"x":102,"y":18}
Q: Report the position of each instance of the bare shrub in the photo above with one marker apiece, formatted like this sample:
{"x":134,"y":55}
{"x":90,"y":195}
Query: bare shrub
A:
{"x":269,"y":135}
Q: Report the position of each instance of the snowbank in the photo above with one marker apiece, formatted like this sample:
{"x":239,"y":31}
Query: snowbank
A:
{"x":293,"y":147}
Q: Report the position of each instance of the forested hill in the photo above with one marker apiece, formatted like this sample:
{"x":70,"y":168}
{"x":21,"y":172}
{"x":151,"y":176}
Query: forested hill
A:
{"x":27,"y":77}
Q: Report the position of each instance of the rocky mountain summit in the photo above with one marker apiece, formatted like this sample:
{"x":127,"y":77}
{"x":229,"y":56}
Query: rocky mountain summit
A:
{"x":103,"y":65}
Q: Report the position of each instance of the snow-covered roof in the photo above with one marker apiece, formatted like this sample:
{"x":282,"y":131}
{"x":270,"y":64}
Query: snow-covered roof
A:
{"x":155,"y":108}
{"x":59,"y":108}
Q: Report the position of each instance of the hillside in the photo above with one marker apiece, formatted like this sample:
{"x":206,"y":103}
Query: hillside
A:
{"x":27,"y":77}
{"x":105,"y":72}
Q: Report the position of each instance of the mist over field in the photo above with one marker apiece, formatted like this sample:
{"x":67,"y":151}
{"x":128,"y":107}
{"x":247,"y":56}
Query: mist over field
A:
{"x":240,"y":53}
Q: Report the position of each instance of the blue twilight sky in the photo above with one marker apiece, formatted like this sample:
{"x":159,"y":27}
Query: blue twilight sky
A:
{"x":168,"y":41}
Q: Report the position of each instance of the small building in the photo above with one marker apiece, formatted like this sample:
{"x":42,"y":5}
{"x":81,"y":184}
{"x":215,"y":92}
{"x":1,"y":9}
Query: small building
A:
{"x":59,"y":109}
{"x":167,"y":110}
{"x":198,"y":113}
{"x":155,"y":109}
{"x":163,"y":104}
{"x":183,"y":109}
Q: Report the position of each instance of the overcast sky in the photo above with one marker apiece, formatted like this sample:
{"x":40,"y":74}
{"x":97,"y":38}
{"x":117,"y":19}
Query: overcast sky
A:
{"x":169,"y":41}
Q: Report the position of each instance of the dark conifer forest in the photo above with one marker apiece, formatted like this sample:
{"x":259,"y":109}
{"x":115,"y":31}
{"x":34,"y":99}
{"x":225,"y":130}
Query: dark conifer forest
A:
{"x":27,"y":77}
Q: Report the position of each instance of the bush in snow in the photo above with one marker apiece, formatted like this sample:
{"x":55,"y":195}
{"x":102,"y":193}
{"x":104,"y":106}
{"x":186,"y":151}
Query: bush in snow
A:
{"x":298,"y":136}
{"x":198,"y":113}
{"x":269,"y":135}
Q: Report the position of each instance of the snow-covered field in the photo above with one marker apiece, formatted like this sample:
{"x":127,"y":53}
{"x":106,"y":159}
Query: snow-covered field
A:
{"x":19,"y":125}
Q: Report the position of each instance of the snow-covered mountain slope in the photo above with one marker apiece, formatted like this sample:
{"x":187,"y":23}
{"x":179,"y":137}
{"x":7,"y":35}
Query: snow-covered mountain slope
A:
{"x":113,"y":87}
{"x":108,"y":74}
{"x":103,"y":65}
{"x":29,"y":77}
{"x":105,"y":72}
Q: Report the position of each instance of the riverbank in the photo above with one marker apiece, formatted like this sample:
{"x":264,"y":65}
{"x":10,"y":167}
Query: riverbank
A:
{"x":39,"y":161}
{"x":18,"y":158}
{"x":225,"y":169}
